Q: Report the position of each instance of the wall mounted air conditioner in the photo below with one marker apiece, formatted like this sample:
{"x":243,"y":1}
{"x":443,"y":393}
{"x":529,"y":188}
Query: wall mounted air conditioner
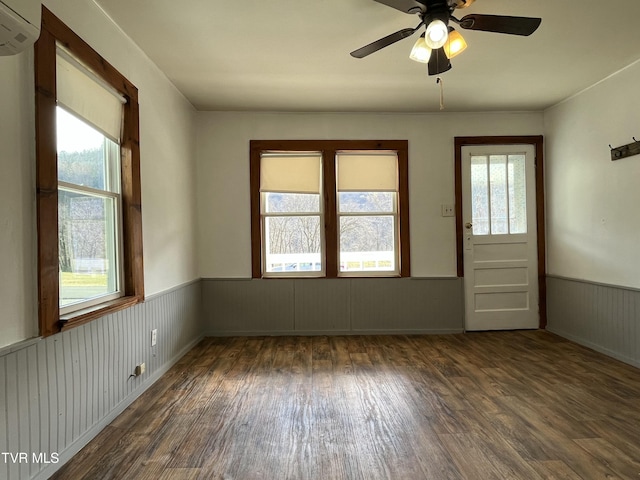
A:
{"x":19,"y":25}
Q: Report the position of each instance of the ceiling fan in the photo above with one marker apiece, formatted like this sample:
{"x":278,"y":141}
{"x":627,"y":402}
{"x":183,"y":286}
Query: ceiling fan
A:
{"x":441,"y":42}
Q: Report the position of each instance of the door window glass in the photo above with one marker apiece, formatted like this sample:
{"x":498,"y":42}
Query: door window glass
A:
{"x":498,"y":191}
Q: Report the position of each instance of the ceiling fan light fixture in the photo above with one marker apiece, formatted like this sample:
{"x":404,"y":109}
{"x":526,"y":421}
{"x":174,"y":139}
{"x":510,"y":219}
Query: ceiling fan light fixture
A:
{"x":463,"y":3}
{"x":436,"y":34}
{"x":455,"y":44}
{"x":420,"y":51}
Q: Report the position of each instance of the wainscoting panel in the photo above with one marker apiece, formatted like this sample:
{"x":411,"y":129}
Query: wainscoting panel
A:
{"x":322,"y":305}
{"x":329,"y":306}
{"x":407,"y":304}
{"x":244,"y":307}
{"x":603,"y":317}
{"x":57,"y":393}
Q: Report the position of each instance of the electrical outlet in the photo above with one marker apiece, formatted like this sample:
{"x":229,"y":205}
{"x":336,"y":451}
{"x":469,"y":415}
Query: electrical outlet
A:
{"x":154,"y":337}
{"x":448,"y":210}
{"x":140,"y":369}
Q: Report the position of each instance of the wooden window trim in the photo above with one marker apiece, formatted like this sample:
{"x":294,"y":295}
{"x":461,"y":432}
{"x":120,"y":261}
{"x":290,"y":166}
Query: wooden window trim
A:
{"x":53,"y":30}
{"x":538,"y":142}
{"x":328,"y":149}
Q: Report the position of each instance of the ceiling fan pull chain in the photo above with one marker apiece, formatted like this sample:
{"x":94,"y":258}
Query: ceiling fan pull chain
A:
{"x":441,"y":83}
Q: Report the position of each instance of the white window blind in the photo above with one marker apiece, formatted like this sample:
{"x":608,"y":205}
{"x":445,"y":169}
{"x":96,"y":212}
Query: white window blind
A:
{"x":367,"y":172}
{"x":83,"y":93}
{"x":296,"y":173}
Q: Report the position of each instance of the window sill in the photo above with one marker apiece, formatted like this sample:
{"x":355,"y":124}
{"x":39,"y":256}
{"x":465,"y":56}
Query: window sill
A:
{"x":86,"y":315}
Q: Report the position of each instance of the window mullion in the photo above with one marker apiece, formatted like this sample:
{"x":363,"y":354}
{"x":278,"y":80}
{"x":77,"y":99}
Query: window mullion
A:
{"x":330,"y":215}
{"x":403,"y":211}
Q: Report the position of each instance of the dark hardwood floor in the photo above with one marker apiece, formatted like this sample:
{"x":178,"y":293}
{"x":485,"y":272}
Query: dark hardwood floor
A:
{"x":499,"y":405}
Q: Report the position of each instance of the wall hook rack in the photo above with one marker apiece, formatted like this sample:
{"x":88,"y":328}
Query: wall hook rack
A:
{"x":625,"y":150}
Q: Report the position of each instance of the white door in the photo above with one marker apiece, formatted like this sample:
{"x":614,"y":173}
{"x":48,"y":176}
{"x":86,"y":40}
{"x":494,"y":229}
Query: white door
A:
{"x":500,"y":240}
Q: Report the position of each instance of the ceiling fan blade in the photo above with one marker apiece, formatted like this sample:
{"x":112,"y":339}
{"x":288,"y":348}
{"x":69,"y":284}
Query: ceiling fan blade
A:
{"x":501,"y":24}
{"x":438,"y":62}
{"x":384,"y":42}
{"x":406,"y":6}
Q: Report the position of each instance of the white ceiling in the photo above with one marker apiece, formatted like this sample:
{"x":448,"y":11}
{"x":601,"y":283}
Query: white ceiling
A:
{"x":293,"y":55}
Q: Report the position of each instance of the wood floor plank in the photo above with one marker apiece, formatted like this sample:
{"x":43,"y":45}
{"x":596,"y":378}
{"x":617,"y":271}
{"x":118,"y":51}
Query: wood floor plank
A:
{"x":340,"y":355}
{"x":209,"y":444}
{"x":554,"y":470}
{"x":475,"y":459}
{"x":120,"y":458}
{"x":383,"y":416}
{"x":474,"y":394}
{"x":301,"y":367}
{"x":179,"y":474}
{"x":619,"y":432}
{"x":517,"y":434}
{"x":495,"y":405}
{"x":103,"y":442}
{"x":565,"y":449}
{"x":619,"y":461}
{"x":169,"y":438}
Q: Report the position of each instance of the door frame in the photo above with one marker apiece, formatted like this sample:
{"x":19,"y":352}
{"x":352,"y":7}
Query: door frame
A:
{"x":538,"y":142}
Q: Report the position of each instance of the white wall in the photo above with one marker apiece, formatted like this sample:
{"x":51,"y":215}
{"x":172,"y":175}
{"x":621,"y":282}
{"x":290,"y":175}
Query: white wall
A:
{"x":17,"y":200}
{"x":223,"y":175}
{"x":167,"y":146}
{"x":593,"y":218}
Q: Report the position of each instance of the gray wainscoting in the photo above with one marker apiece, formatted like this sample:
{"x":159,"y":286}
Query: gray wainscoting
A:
{"x":332,"y":306}
{"x":57,"y":393}
{"x":602,"y":317}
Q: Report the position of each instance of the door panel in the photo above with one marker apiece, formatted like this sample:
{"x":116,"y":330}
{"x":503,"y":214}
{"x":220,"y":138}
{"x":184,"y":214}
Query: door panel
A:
{"x":500,"y":240}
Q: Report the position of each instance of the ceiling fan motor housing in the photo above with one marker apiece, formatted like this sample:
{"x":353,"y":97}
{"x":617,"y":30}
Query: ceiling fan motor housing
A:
{"x":446,"y":5}
{"x":437,"y":11}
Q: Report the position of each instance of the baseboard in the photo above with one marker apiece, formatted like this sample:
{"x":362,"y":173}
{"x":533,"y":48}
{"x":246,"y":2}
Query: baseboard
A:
{"x":317,"y":333}
{"x":594,"y":346}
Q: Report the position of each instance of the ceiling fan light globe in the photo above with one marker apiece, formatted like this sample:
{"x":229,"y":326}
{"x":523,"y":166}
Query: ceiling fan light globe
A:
{"x":455,"y":45}
{"x":436,"y":34}
{"x":463,"y":3}
{"x":420,"y":52}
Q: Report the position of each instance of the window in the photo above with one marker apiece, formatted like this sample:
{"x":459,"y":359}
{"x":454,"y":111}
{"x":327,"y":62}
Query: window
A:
{"x":329,"y":208}
{"x":88,"y":182}
{"x":367,"y":185}
{"x":291,"y":212}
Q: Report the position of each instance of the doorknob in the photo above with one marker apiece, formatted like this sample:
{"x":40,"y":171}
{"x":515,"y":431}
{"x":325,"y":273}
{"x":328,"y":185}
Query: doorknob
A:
{"x":468,"y":225}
